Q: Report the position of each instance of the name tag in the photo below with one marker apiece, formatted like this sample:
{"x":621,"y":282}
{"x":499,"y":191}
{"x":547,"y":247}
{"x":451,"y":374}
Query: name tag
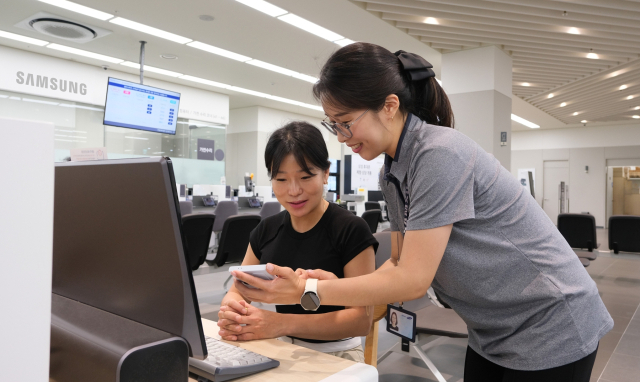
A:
{"x":401,"y":322}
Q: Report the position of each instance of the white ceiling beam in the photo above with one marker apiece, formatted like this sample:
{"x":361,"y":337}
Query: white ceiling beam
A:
{"x":557,"y":53}
{"x":632,"y":14}
{"x":546,"y":67}
{"x":592,"y":101}
{"x":469,"y":44}
{"x":578,"y":61}
{"x":452,"y":47}
{"x":487,"y":16}
{"x":616,"y":4}
{"x":628,"y":53}
{"x":572,"y":41}
{"x":547,"y":73}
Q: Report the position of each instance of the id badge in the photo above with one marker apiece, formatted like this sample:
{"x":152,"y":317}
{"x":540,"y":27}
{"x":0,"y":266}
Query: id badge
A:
{"x":401,"y":322}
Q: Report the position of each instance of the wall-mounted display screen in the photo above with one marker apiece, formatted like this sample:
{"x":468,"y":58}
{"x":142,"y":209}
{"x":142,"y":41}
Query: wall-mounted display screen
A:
{"x":141,"y":107}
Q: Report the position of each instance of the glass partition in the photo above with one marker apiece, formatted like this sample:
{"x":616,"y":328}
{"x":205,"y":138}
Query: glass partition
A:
{"x":80,"y":125}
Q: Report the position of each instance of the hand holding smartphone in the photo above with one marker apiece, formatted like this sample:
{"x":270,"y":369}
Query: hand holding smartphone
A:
{"x":259,"y":271}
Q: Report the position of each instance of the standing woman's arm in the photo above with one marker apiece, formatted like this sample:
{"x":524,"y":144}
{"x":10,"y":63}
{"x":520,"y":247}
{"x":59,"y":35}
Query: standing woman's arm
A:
{"x":419,"y":261}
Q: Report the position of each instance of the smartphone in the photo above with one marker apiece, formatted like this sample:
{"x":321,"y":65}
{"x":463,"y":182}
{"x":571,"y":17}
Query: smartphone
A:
{"x":259,"y":271}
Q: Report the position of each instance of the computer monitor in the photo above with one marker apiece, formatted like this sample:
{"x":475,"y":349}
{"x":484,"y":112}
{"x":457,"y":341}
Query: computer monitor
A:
{"x":210,"y":201}
{"x":141,"y":107}
{"x":117,"y":244}
{"x":531,"y":186}
{"x":247,"y":184}
{"x":375,"y":196}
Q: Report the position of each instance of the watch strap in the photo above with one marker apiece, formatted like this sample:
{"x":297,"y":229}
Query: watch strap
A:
{"x":311,"y":286}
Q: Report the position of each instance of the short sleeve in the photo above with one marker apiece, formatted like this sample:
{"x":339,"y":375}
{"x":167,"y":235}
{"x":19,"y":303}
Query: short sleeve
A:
{"x":441,"y":185}
{"x":354,"y":236}
{"x":255,"y":239}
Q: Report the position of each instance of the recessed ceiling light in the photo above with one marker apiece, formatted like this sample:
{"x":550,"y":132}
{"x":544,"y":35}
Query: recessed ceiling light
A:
{"x":636,"y":116}
{"x":623,"y":87}
{"x":218,"y":51}
{"x":264,"y":7}
{"x":573,"y":31}
{"x":563,"y":104}
{"x":169,"y":56}
{"x":21,"y":38}
{"x":206,"y":17}
{"x":592,"y":55}
{"x":526,"y":84}
{"x":630,"y":97}
{"x":85,"y":53}
{"x":150,"y":30}
{"x":143,"y":139}
{"x":550,"y":95}
{"x":152,"y":69}
{"x":576,"y":113}
{"x":524,"y":121}
{"x":636,"y":108}
{"x":583,"y":121}
{"x":79,"y":9}
{"x":431,"y":20}
{"x":310,"y":27}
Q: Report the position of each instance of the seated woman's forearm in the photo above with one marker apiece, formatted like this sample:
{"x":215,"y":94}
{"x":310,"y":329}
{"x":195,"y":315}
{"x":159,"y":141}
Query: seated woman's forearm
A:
{"x":350,"y":322}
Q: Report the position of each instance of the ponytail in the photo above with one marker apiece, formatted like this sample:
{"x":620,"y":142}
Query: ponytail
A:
{"x":360,"y":76}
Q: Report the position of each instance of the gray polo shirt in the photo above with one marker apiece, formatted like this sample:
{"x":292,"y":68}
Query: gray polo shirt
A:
{"x":528,"y":302}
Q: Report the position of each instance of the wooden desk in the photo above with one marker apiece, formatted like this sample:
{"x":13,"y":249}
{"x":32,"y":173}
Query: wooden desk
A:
{"x":298,"y":364}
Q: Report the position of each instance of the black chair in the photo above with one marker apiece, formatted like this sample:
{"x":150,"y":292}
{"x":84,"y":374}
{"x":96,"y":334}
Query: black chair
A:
{"x":368,"y":206}
{"x":624,"y":233}
{"x":579,"y":230}
{"x":234,"y":238}
{"x":197,"y":229}
{"x":372,"y":217}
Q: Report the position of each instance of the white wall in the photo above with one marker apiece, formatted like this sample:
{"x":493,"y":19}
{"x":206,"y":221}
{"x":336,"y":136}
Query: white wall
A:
{"x":593,"y":146}
{"x":26,"y":242}
{"x":247,"y":135}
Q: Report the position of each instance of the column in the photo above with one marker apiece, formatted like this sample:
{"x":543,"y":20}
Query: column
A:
{"x":478,"y":83}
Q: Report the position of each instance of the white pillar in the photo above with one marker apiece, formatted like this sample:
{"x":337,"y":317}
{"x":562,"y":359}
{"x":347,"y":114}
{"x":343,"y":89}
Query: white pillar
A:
{"x":478,"y":83}
{"x":26,"y":244}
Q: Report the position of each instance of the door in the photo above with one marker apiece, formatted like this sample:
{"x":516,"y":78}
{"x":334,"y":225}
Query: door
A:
{"x":554,"y":173}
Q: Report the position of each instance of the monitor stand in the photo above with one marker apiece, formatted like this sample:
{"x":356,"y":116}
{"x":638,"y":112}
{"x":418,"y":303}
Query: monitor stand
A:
{"x":90,"y":344}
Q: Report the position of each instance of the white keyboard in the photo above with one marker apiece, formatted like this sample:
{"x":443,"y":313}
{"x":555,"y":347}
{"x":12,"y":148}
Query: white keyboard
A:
{"x":226,"y":361}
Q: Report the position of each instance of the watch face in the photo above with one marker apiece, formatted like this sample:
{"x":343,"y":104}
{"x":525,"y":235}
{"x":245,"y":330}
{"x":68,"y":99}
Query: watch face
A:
{"x":310,"y":301}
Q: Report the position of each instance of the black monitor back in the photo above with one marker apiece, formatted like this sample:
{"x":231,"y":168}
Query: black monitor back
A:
{"x":118,"y":245}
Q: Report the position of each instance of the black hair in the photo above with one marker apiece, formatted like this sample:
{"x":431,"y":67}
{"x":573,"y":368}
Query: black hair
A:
{"x":301,"y":139}
{"x":361,"y":75}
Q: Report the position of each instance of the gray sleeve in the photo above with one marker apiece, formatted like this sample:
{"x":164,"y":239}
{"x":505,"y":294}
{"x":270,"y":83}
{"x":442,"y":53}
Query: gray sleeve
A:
{"x":393,"y":225}
{"x":441,"y":185}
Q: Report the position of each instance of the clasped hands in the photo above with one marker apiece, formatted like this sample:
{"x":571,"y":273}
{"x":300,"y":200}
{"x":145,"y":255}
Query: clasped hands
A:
{"x":240,"y":321}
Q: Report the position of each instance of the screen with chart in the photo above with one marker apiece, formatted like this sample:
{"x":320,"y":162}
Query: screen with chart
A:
{"x":141,"y":107}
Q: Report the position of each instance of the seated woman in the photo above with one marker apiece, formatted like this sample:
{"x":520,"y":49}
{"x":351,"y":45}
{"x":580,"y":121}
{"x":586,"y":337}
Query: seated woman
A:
{"x":310,"y":234}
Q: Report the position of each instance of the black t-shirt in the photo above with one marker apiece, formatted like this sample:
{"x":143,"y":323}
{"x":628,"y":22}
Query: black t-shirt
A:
{"x":335,"y":240}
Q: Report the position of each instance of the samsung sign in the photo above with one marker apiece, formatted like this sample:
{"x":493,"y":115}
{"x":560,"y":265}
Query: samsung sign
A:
{"x":39,"y":81}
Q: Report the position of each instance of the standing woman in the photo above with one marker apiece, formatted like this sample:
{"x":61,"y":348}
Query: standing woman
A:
{"x":470,"y":230}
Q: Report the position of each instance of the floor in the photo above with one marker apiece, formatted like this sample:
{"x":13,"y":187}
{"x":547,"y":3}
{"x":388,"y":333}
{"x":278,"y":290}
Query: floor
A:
{"x":618,"y":359}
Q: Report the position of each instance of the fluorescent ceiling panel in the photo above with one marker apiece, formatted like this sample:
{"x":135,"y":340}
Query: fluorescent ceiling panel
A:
{"x":524,"y":121}
{"x":79,"y":9}
{"x":281,"y":70}
{"x":151,"y":69}
{"x":21,"y":38}
{"x":39,"y":101}
{"x":218,"y":51}
{"x":264,"y":7}
{"x":85,"y":53}
{"x":310,"y":27}
{"x":205,"y":82}
{"x":305,"y":77}
{"x":150,"y":30}
{"x":344,"y":42}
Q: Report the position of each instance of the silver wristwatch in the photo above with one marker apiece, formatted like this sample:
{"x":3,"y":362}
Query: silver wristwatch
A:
{"x":310,"y":299}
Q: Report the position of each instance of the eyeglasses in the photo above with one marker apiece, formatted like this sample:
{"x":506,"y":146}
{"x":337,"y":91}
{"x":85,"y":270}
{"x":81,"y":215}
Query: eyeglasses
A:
{"x":339,"y":127}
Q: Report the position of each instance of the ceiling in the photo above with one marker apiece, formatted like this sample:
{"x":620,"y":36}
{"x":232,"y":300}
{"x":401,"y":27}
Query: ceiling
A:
{"x":235,"y":27}
{"x":546,"y":55}
{"x":533,"y":33}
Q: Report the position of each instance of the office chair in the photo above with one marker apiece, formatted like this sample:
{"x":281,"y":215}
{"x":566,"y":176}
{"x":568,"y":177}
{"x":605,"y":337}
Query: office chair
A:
{"x":624,"y":233}
{"x":372,"y":217}
{"x":197,"y":229}
{"x":433,"y":319}
{"x":368,"y":206}
{"x":580,"y":232}
{"x":224,"y":209}
{"x":234,"y":240}
{"x":186,"y":207}
{"x":270,"y":209}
